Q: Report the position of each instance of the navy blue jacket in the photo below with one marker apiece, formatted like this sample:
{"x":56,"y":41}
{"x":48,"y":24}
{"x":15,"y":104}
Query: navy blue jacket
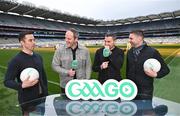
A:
{"x":12,"y":77}
{"x":135,"y":71}
{"x":115,"y":64}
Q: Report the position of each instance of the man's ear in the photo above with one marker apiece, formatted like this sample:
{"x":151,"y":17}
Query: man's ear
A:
{"x":22,"y":42}
{"x":76,"y":39}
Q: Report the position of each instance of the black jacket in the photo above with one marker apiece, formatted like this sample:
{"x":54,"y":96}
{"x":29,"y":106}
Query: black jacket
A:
{"x":135,"y":71}
{"x":115,"y":63}
{"x":12,"y":77}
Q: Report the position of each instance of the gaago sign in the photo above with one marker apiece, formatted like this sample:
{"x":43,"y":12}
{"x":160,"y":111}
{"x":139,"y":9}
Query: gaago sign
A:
{"x":90,"y":108}
{"x":92,"y":89}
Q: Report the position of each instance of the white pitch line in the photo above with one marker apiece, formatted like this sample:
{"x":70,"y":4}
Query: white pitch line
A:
{"x":172,"y":60}
{"x":55,"y":83}
{"x":3,"y":67}
{"x":173,"y":57}
{"x":171,"y":54}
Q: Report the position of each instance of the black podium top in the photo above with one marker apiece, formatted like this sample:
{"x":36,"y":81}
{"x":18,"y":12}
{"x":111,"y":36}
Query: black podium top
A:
{"x":59,"y":104}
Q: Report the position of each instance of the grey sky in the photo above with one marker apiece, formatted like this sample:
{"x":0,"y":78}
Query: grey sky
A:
{"x":110,"y":9}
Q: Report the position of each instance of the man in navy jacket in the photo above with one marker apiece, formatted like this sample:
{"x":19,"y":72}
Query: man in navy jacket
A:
{"x":108,"y":67}
{"x":27,"y":90}
{"x":136,"y":57}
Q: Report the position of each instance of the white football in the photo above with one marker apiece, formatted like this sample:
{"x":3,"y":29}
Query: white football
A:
{"x":32,"y":73}
{"x":152,"y":64}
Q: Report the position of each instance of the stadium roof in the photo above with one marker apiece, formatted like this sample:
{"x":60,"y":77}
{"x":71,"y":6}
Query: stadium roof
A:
{"x":148,"y":18}
{"x":32,"y":10}
{"x":29,"y":9}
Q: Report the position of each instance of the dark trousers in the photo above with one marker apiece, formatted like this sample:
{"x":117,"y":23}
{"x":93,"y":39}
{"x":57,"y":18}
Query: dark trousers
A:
{"x":62,"y":90}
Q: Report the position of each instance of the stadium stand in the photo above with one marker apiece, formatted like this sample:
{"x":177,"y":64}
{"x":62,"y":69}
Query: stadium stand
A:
{"x":16,"y":17}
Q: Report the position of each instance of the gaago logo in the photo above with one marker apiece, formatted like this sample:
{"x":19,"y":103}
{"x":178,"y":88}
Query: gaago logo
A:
{"x":92,"y":89}
{"x":90,"y":108}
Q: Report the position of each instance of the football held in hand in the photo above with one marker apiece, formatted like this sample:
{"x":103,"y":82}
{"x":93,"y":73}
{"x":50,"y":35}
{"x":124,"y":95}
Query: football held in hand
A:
{"x":32,"y":73}
{"x":152,"y":64}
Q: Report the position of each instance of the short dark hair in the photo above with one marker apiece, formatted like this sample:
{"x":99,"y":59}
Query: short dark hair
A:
{"x":74,"y":31}
{"x":110,"y":35}
{"x":138,"y":32}
{"x":23,"y":34}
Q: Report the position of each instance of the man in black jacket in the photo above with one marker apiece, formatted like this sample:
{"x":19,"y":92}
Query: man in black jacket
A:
{"x":108,"y":65}
{"x":27,"y":90}
{"x":136,"y":57}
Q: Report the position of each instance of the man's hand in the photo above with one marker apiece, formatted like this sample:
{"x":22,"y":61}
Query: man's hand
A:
{"x":151,"y":73}
{"x":29,"y":83}
{"x":71,"y":72}
{"x":104,"y":65}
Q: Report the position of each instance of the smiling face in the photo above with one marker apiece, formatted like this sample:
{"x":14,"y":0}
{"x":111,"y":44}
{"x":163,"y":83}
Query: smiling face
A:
{"x":135,"y":40}
{"x":70,"y":39}
{"x":109,"y":41}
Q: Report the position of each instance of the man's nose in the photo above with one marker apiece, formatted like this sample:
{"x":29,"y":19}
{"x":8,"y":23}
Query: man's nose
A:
{"x":106,"y":43}
{"x":33,"y":42}
{"x":66,"y":40}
